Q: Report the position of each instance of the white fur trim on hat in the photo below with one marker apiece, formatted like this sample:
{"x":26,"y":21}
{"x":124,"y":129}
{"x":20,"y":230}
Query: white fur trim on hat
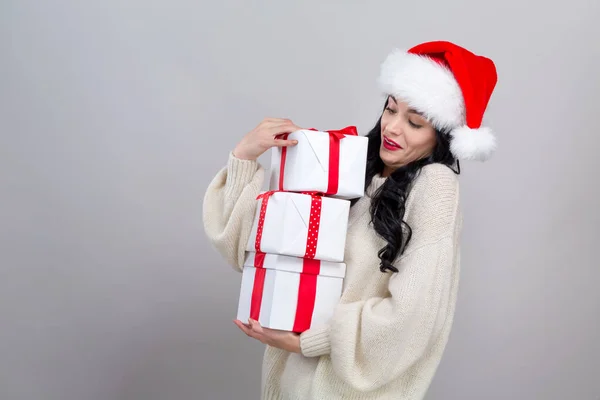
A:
{"x":472,"y":144}
{"x":425,"y":85}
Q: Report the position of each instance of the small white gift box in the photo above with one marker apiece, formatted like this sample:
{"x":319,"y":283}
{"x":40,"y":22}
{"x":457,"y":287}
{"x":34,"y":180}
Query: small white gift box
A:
{"x":289,"y":293}
{"x":300,"y":225}
{"x":331,"y":162}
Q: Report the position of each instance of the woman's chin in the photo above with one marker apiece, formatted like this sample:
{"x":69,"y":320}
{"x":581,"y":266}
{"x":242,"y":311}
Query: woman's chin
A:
{"x":387,"y":158}
{"x":391,"y":164}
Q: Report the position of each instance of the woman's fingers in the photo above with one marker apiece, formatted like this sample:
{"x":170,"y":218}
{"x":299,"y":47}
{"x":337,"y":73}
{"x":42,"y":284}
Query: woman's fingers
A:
{"x":255,"y":326}
{"x":277,"y":127}
{"x":252,"y":329}
{"x":280,"y":129}
{"x":284,"y":142}
{"x":267,"y":134}
{"x":243,"y":327}
{"x":285,"y":126}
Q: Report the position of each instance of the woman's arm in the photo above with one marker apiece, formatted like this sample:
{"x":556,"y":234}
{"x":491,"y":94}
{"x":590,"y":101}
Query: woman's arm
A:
{"x":229,"y":208}
{"x":374,"y":341}
{"x":230,"y":200}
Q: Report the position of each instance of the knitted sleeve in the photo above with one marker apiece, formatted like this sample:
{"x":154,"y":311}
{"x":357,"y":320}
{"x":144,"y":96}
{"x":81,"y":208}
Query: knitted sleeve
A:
{"x":229,"y":207}
{"x":372,"y":342}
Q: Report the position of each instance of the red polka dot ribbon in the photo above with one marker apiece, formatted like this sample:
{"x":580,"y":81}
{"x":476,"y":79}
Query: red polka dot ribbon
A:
{"x":313,"y":226}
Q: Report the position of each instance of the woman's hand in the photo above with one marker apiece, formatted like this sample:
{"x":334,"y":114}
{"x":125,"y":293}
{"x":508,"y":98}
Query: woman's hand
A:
{"x":284,"y":340}
{"x":263,"y":137}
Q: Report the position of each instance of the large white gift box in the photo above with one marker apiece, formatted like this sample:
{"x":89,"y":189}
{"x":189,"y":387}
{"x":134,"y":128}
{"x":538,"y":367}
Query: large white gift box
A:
{"x":289,"y":293}
{"x":300,"y":225}
{"x":331,"y":162}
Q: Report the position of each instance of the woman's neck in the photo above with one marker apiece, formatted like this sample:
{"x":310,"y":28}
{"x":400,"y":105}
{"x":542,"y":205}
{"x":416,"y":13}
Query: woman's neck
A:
{"x":387,"y":171}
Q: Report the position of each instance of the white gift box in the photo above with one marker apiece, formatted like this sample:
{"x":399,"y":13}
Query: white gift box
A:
{"x":280,"y":296}
{"x":285,"y":225}
{"x":307,"y":168}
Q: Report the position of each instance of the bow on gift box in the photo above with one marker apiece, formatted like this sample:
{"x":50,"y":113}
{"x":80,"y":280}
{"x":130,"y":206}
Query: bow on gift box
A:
{"x":335,"y":136}
{"x":310,"y":267}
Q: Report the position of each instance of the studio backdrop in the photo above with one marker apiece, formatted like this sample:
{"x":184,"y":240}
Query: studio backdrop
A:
{"x":115,"y":116}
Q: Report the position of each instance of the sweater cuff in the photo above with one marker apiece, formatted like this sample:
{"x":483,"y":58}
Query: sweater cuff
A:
{"x":315,"y":342}
{"x":239,"y":174}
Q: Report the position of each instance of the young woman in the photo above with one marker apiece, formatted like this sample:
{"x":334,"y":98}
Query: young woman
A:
{"x":389,"y":331}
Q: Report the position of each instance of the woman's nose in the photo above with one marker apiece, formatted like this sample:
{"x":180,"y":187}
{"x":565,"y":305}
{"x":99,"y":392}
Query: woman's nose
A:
{"x":394,"y":128}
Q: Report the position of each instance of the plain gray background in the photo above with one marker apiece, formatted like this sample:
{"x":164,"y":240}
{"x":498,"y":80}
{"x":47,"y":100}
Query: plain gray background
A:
{"x":115,"y":115}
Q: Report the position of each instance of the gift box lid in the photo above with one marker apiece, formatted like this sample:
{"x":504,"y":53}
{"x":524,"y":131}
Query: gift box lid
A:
{"x":296,"y":264}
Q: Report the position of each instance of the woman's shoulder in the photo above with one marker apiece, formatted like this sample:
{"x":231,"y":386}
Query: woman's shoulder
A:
{"x":436,"y":179}
{"x":434,"y":197}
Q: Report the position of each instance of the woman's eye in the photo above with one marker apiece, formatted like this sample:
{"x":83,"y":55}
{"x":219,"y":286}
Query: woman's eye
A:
{"x":388,"y":109}
{"x":414,"y":125}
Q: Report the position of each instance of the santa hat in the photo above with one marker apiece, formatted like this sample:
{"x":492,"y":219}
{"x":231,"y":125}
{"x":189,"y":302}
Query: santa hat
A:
{"x":451,"y":87}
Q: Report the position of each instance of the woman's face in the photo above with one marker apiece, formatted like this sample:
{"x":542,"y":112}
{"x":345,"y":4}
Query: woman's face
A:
{"x":406,"y":136}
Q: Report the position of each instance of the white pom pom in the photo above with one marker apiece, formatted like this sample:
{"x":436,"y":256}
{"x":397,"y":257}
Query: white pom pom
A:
{"x":472,"y":144}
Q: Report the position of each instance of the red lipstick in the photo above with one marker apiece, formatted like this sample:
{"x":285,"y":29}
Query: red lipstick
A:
{"x":390,"y":145}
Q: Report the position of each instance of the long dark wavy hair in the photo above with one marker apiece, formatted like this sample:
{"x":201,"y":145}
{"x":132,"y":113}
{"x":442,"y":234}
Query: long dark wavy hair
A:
{"x":388,"y":202}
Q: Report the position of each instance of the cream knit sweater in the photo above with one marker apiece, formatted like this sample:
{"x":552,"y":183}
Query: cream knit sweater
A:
{"x":389,"y":331}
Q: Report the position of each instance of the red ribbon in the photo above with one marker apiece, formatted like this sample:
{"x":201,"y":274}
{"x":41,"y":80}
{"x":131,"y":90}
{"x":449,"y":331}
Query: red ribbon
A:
{"x":310,"y":267}
{"x":257,"y":292}
{"x":282,"y":163}
{"x":307,"y":292}
{"x":333,"y":177}
{"x":259,"y":259}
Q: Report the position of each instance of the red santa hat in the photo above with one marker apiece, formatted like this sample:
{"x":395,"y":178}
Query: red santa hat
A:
{"x":451,"y":87}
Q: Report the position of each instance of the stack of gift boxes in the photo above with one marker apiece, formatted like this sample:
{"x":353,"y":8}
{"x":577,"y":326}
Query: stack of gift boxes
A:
{"x":294,"y":267}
